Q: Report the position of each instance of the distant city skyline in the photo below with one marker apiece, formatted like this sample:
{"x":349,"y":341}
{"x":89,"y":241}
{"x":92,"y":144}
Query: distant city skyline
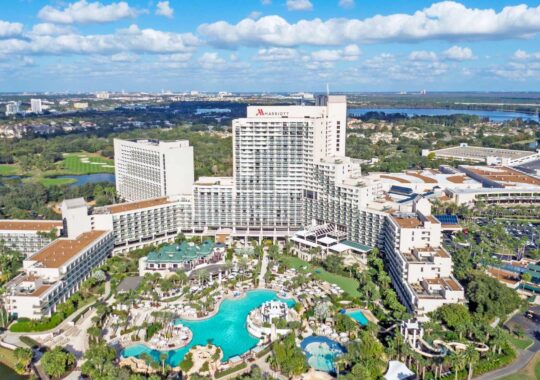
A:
{"x":269,"y":45}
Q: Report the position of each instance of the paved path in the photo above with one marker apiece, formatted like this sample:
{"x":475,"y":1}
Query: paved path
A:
{"x":13,"y":337}
{"x":532,"y":330}
{"x":264,"y":267}
{"x":522,"y":360}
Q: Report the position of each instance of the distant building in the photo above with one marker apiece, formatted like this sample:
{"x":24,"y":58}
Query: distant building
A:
{"x":102,"y":95}
{"x":36,"y":106}
{"x":490,"y":156}
{"x":80,"y":105}
{"x":12,"y":108}
{"x":148,"y":169}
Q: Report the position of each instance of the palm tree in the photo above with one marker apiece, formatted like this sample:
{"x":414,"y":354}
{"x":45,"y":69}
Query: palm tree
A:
{"x":163,"y":357}
{"x":472,"y":357}
{"x":456,"y":360}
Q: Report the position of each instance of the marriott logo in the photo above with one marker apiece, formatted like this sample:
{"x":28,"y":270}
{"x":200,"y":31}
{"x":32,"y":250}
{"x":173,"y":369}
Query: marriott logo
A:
{"x":262,"y":112}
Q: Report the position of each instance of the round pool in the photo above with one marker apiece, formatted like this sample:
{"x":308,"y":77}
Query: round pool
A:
{"x":321,"y":352}
{"x":227,"y":329}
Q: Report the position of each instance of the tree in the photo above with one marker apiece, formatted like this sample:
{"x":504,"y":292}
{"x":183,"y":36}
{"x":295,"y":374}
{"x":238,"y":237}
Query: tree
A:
{"x":456,"y":317}
{"x":471,"y":357}
{"x":24,"y":358}
{"x":287,"y":357}
{"x":57,"y":362}
{"x":98,"y":358}
{"x":489,"y":298}
{"x":456,"y":360}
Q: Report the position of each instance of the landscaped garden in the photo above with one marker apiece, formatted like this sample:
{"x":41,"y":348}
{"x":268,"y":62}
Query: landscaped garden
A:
{"x":349,"y":285}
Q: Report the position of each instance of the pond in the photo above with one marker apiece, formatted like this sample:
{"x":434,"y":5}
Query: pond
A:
{"x":7,"y":373}
{"x":88,"y":178}
{"x":227,"y":329}
{"x":495,"y":116}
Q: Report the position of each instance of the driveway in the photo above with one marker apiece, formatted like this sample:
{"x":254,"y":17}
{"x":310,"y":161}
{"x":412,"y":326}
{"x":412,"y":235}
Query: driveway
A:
{"x":532,"y":330}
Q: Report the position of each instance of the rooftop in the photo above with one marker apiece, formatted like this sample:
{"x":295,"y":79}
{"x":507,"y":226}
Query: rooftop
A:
{"x":131,"y":206}
{"x":30,"y":225}
{"x":503,"y":175}
{"x":480,"y":153}
{"x":180,"y":253}
{"x":62,"y":250}
{"x":407,"y":221}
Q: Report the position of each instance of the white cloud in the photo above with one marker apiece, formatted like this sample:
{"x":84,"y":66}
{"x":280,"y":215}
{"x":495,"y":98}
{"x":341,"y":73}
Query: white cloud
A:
{"x":254,"y":15}
{"x":132,"y":39}
{"x":48,"y":29}
{"x":84,"y":12}
{"x":458,"y":53}
{"x":276,"y":54}
{"x":163,"y":8}
{"x":346,"y":3}
{"x":422,"y":55}
{"x":299,"y":5}
{"x":124,"y":57}
{"x":10,"y":29}
{"x":349,"y":53}
{"x":522,"y":55}
{"x":210,"y":61}
{"x":447,"y":20}
{"x":179,"y":57}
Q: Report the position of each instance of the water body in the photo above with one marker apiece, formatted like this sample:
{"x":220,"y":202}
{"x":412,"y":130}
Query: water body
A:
{"x":227,"y":329}
{"x":495,"y":116}
{"x":7,"y":373}
{"x":89,"y":178}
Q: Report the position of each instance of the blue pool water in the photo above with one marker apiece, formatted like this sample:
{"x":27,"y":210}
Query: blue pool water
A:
{"x":358,"y":316}
{"x":227,"y":329}
{"x":321,"y":352}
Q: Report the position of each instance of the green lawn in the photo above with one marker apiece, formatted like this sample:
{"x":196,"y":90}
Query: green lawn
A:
{"x":8,"y":357}
{"x":350,"y":285}
{"x":56,"y":181}
{"x":8,"y":170}
{"x":521,"y":343}
{"x":85,"y":163}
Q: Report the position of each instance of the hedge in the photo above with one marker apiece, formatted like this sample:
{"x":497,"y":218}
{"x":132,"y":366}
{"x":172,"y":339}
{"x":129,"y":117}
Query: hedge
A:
{"x":228,"y":371}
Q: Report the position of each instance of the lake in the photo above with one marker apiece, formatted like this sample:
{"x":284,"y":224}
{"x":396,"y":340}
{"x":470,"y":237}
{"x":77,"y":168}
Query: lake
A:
{"x":7,"y":373}
{"x":89,"y":178}
{"x":495,"y":116}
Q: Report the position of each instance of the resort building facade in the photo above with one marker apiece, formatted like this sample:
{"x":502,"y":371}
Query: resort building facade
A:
{"x":28,"y":236}
{"x":51,"y":275}
{"x":147,"y":169}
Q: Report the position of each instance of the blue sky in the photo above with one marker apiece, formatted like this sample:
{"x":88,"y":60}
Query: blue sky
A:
{"x":269,"y":45}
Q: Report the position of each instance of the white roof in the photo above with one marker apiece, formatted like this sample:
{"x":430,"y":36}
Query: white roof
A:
{"x":397,"y":371}
{"x":326,"y":240}
{"x":339,"y":248}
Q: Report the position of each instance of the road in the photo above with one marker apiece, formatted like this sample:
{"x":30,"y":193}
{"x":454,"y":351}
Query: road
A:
{"x":532,"y":330}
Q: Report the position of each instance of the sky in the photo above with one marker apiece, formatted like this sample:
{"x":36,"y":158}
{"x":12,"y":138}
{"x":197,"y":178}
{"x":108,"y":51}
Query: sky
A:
{"x":269,"y":45}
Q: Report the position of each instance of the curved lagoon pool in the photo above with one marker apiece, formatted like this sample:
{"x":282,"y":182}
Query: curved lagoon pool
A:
{"x":226,"y":329}
{"x":321,"y":352}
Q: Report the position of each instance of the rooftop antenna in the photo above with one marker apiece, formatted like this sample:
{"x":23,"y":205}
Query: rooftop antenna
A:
{"x":327,"y":89}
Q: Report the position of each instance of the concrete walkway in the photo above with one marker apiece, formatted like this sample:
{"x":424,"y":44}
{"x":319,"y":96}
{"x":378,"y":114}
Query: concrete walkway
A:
{"x":264,"y":268}
{"x":13,"y":337}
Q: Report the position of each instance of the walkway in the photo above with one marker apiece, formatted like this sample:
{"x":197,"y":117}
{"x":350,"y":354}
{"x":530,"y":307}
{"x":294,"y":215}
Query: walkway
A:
{"x":264,"y":267}
{"x":13,"y":337}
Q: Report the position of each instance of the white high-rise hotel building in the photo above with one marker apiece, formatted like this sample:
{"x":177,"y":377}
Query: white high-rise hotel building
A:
{"x":150,"y":169}
{"x":275,"y":149}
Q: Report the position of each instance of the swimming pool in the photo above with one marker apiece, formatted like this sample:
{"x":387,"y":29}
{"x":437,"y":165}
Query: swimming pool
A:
{"x":321,"y":352}
{"x":358,"y":316}
{"x":226,"y":329}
